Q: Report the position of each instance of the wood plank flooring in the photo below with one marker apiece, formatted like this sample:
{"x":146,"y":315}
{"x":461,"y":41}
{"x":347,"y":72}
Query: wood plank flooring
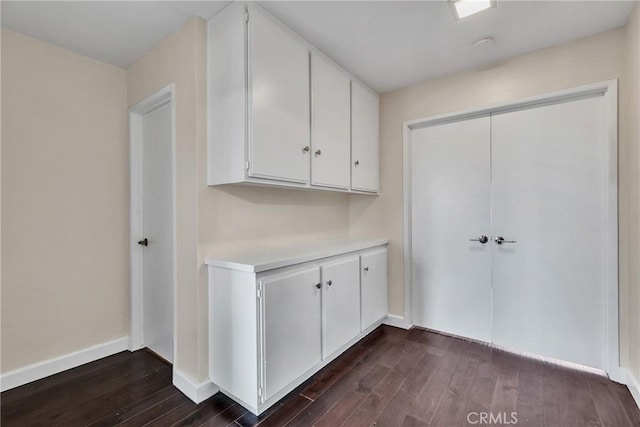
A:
{"x":391,"y":378}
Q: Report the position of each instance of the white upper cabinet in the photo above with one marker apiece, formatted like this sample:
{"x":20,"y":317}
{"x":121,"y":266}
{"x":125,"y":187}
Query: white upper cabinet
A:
{"x":280,"y":113}
{"x":280,"y":96}
{"x":365,"y":112}
{"x":331,"y":125}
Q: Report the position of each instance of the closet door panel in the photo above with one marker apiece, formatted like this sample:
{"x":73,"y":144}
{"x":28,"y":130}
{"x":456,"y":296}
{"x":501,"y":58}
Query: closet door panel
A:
{"x":548,"y":195}
{"x":450,"y":197}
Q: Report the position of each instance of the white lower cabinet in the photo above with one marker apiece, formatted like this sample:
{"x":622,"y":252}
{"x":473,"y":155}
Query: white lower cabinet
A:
{"x":340,"y":303}
{"x":373,"y":286}
{"x":274,"y":323}
{"x":294,"y":295}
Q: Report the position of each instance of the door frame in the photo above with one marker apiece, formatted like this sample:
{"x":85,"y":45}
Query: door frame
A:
{"x":608,"y":89}
{"x":136,"y":113}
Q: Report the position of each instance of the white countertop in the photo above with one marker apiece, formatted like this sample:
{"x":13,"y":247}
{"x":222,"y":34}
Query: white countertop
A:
{"x":270,"y":258}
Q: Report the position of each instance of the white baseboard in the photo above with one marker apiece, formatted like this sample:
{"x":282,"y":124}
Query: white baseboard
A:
{"x":196,"y":392}
{"x":634,"y":386}
{"x":58,"y":364}
{"x":397,"y":321}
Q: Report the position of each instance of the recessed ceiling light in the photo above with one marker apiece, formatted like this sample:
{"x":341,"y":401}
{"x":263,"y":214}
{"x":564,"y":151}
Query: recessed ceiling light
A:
{"x":464,"y":8}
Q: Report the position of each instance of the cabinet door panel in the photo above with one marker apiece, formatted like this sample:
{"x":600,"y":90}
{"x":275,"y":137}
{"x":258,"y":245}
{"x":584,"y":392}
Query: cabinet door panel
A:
{"x":341,"y":303}
{"x":331,"y":125}
{"x":279,"y":117}
{"x":373,"y":270}
{"x":364,"y":138}
{"x":291,"y":338}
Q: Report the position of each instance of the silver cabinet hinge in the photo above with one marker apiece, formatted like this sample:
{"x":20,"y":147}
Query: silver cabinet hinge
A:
{"x":248,"y":164}
{"x":246,"y":16}
{"x":259,"y":293}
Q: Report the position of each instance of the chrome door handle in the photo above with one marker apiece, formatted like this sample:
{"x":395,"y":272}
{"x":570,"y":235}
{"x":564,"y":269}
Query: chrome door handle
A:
{"x":482,"y":239}
{"x":500,"y":240}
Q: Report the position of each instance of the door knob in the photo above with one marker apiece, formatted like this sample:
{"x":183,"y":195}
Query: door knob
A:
{"x":318,"y":285}
{"x":318,"y":152}
{"x":329,"y":282}
{"x":482,"y":239}
{"x":500,"y":240}
{"x":357,"y":162}
{"x":144,"y":242}
{"x":366,"y":269}
{"x":306,"y":149}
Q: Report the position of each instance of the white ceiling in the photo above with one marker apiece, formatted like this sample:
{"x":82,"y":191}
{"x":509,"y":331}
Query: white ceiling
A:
{"x":116,"y":32}
{"x":387,"y":44}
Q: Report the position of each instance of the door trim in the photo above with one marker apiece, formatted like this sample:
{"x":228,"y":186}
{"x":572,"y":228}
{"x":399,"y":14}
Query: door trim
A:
{"x":136,"y":112}
{"x":608,"y":89}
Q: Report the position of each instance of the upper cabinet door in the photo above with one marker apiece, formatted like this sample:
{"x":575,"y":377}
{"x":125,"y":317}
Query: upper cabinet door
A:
{"x":364,"y":138}
{"x":279,"y":100}
{"x":331,"y":124}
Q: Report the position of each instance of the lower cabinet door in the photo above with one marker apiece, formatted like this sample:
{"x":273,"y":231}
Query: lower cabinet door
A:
{"x":341,"y":303}
{"x":373,"y":273}
{"x":291,"y":333}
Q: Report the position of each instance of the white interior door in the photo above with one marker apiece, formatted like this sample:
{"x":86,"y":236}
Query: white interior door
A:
{"x":280,"y":121}
{"x":331,"y":129}
{"x":549,"y":179}
{"x":450,"y":197}
{"x":340,"y":303}
{"x":157,"y":208}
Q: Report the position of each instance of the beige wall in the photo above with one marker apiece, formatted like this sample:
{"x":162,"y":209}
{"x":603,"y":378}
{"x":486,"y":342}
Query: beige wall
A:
{"x":219,"y":219}
{"x":174,"y":61}
{"x":64,"y":202}
{"x":592,"y":59}
{"x":630,"y":137}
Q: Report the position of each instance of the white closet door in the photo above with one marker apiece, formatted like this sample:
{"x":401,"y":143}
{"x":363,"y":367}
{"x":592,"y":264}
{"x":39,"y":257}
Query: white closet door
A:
{"x":450,"y":190}
{"x":549,"y":196}
{"x":280,"y":121}
{"x":331,"y":130}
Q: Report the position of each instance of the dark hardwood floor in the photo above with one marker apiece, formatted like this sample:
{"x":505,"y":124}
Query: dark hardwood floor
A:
{"x":391,"y":378}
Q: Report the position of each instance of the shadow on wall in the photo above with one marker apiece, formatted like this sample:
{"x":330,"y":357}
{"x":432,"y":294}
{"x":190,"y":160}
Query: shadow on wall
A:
{"x":282,"y":196}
